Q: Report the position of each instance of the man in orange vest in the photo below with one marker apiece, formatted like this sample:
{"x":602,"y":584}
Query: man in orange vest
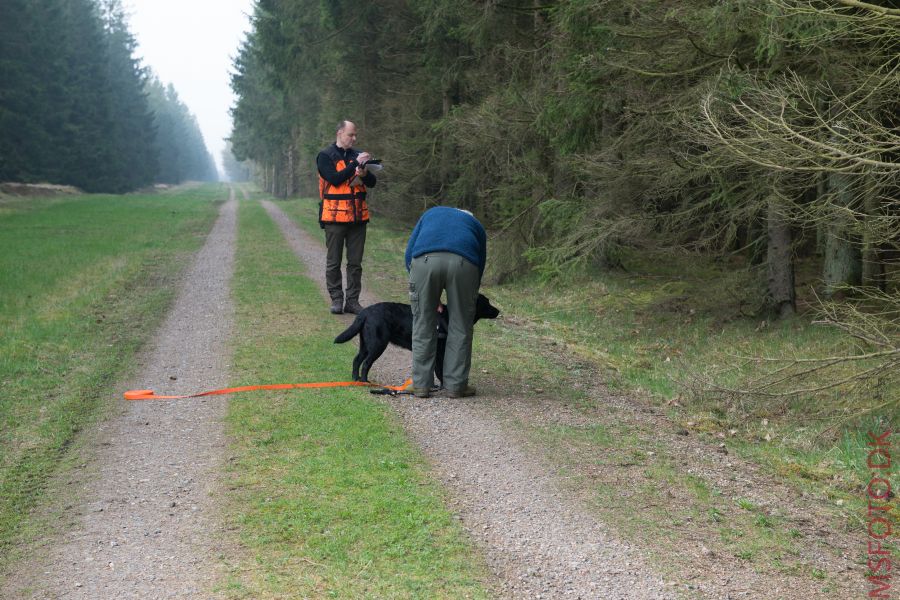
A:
{"x":343,"y":214}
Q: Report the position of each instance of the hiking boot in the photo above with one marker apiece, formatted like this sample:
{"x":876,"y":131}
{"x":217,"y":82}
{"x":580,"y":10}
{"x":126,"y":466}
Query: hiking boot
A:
{"x":337,"y":307}
{"x":463,"y":393}
{"x":420,"y":393}
{"x":353,"y":307}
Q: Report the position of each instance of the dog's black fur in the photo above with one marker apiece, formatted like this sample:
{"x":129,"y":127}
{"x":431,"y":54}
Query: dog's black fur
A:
{"x":391,"y":322}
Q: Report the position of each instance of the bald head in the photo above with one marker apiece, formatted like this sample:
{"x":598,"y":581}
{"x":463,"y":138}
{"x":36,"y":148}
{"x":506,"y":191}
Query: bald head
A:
{"x":345,"y":134}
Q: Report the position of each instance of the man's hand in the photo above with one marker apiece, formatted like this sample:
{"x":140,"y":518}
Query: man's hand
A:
{"x":363,"y":157}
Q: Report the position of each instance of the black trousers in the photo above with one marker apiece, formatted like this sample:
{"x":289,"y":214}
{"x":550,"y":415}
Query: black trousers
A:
{"x":354,"y":238}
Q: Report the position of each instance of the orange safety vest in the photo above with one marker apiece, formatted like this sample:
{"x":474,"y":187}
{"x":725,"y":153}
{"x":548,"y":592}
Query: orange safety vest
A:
{"x":342,"y":203}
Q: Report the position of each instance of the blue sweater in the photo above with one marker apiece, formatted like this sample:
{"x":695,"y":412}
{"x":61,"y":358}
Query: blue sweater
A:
{"x":446,"y":229}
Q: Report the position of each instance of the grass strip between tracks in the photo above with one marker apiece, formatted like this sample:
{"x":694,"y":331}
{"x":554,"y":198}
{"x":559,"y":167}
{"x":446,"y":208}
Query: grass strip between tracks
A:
{"x":327,"y":495}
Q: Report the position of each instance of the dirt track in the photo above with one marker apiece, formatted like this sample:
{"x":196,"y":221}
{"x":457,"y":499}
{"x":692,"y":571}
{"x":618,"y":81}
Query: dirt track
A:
{"x":145,"y":523}
{"x":145,"y":518}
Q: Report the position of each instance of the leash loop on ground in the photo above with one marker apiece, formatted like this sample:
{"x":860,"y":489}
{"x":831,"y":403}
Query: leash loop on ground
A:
{"x":151,"y":395}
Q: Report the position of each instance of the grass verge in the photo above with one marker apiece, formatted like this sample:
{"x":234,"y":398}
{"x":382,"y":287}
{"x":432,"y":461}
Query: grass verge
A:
{"x":83,"y":283}
{"x":669,"y":331}
{"x":328,"y":495}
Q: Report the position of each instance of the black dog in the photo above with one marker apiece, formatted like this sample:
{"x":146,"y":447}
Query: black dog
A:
{"x":391,"y":322}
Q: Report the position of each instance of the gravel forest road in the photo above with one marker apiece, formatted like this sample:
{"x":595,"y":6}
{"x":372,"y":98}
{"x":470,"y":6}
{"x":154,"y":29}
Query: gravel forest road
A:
{"x":144,"y":520}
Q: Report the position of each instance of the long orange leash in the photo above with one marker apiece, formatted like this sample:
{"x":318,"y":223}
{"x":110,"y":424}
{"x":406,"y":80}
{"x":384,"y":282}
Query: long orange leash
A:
{"x":151,"y":395}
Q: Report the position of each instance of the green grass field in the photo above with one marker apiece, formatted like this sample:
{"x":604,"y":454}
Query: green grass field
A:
{"x":83,"y":282}
{"x":329,"y":497}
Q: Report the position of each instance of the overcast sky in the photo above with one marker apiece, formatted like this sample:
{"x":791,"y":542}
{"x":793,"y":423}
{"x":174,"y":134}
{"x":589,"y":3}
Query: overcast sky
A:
{"x":190,"y":44}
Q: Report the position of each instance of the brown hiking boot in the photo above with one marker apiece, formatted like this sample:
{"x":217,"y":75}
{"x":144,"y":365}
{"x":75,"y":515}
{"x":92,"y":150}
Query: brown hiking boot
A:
{"x":353,"y":307}
{"x":465,"y":392}
{"x":337,"y":307}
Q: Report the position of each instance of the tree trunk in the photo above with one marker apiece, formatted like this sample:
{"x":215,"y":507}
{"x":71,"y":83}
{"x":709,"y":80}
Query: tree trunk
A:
{"x":449,"y":98}
{"x":289,"y":184}
{"x":779,"y":258}
{"x":821,"y":190}
{"x":444,"y":168}
{"x":544,"y":167}
{"x":843,"y":262}
{"x":873,"y":274}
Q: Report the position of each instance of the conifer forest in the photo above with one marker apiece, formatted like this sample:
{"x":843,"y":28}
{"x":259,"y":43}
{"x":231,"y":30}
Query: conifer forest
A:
{"x":760,"y":131}
{"x":78,"y":108}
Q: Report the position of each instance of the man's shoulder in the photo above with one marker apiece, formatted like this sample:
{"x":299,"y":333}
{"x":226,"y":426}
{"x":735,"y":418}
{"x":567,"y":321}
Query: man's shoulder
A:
{"x":333,"y":152}
{"x":329,"y":149}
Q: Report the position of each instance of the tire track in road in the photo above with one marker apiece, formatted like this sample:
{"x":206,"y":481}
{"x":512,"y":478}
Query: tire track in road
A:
{"x":146,"y":525}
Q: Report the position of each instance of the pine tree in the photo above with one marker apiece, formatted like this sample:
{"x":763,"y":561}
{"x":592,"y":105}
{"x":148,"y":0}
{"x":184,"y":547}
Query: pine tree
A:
{"x":131,"y":137}
{"x":179,"y":143}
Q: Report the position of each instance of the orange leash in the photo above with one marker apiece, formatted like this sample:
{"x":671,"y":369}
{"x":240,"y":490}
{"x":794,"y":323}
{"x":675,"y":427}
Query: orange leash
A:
{"x":151,"y":395}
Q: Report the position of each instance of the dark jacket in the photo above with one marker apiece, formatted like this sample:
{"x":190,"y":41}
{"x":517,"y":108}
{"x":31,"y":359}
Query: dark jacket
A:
{"x":329,"y":156}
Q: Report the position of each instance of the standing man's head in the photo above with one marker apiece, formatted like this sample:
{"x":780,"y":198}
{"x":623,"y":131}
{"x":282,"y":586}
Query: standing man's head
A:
{"x":346,"y":134}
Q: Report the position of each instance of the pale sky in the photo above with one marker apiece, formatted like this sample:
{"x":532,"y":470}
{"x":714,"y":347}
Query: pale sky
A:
{"x":191,"y":44}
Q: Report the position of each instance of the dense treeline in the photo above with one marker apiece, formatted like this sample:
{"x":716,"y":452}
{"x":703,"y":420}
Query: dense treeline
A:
{"x":74,"y":103}
{"x":586,"y":130}
{"x":181,"y":151}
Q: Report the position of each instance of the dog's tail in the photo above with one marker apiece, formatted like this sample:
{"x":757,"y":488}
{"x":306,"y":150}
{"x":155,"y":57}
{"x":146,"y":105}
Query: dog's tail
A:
{"x":349,"y":333}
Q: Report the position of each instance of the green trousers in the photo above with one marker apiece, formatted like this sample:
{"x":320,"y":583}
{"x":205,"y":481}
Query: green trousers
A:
{"x":336,"y":237}
{"x":430,"y":275}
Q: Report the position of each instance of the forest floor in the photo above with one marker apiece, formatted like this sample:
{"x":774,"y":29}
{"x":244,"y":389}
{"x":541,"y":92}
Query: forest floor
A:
{"x":143,"y":513}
